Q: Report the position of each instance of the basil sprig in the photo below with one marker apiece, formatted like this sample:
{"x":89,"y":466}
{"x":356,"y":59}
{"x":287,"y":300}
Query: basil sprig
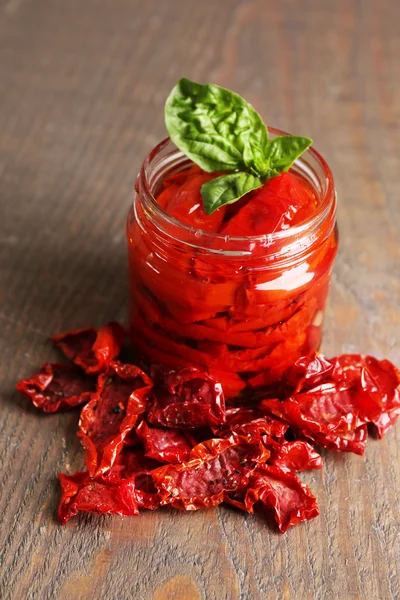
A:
{"x":220,"y":131}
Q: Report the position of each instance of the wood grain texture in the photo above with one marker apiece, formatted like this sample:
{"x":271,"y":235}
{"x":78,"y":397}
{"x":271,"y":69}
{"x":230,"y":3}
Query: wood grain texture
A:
{"x":82,"y":87}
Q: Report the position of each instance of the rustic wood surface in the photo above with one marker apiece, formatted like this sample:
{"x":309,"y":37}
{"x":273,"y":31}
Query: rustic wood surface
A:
{"x":82,"y":87}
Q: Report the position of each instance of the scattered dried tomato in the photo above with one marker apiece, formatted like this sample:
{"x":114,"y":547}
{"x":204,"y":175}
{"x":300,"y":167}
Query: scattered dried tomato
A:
{"x":322,"y":409}
{"x":352,"y":390}
{"x":326,"y":401}
{"x":58,"y":387}
{"x":250,"y":423}
{"x":81,"y":493}
{"x":134,"y":464}
{"x":165,"y":444}
{"x":215,"y":468}
{"x":186,"y":398}
{"x":377,"y":388}
{"x":283,"y":492}
{"x":295,"y":456}
{"x":345,"y":441}
{"x":112,"y":413}
{"x":91,"y":349}
{"x":238,"y":415}
{"x":307,"y":372}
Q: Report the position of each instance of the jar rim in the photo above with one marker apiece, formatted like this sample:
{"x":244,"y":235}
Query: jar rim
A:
{"x":324,"y":208}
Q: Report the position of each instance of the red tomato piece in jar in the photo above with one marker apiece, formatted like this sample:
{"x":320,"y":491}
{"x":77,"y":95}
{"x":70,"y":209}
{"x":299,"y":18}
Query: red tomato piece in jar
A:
{"x":282,"y":202}
{"x":186,"y":204}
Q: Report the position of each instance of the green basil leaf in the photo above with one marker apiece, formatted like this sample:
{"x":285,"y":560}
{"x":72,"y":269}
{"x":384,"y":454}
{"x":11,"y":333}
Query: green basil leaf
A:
{"x":216,"y":128}
{"x":227,"y":189}
{"x":282,"y":151}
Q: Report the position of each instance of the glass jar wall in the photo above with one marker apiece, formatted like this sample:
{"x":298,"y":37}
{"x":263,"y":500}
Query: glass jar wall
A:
{"x":245,"y":308}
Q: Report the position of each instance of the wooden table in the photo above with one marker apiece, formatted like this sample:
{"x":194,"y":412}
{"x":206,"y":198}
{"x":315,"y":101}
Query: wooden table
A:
{"x":83,"y":85}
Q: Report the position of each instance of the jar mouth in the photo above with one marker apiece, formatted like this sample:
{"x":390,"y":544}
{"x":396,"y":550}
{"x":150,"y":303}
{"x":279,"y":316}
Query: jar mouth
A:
{"x":324,"y":186}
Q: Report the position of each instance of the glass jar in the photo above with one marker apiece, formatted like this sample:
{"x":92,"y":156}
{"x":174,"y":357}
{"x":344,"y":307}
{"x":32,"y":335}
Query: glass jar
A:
{"x":244,"y":308}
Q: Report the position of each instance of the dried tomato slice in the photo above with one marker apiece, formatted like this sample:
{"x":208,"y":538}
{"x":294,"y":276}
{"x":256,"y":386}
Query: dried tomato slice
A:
{"x":251,"y":423}
{"x":57,"y":387}
{"x":376,"y":384}
{"x":238,"y":415}
{"x":216,"y":467}
{"x":89,"y":348}
{"x":345,"y":441}
{"x":330,"y":402}
{"x":112,"y":413}
{"x":283,"y":492}
{"x":165,"y":444}
{"x":186,"y":398}
{"x":186,"y":204}
{"x":81,"y":493}
{"x":357,"y":390}
{"x":322,"y":409}
{"x":307,"y":372}
{"x":283,"y":201}
{"x":295,"y":456}
{"x":134,"y":464}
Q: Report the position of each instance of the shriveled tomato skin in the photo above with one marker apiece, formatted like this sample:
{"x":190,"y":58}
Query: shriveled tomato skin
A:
{"x":91,"y":349}
{"x":168,"y":439}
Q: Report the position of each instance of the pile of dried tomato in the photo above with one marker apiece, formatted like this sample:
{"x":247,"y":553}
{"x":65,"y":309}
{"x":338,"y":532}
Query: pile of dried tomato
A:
{"x":169,"y":439}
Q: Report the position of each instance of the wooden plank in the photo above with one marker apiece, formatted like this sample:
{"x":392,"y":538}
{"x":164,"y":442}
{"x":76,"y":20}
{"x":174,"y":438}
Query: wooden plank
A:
{"x":82,"y":92}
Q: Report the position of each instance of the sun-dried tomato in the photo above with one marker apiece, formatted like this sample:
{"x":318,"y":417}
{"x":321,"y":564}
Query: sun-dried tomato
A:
{"x":165,"y":444}
{"x":355,"y":390}
{"x":112,"y":413}
{"x":283,"y":492}
{"x":186,"y":398}
{"x":295,"y":456}
{"x":244,"y":421}
{"x":81,"y":493}
{"x":216,"y":467}
{"x":307,"y":372}
{"x":58,"y":387}
{"x":238,"y":415}
{"x":89,"y":348}
{"x":345,"y":441}
{"x":132,"y":463}
{"x":322,"y":409}
{"x":187,"y":207}
{"x":132,"y":425}
{"x":377,"y":388}
{"x":256,"y":430}
{"x":283,"y":201}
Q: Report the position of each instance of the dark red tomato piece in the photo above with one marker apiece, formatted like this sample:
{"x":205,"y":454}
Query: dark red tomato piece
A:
{"x":281,"y":491}
{"x":295,"y":456}
{"x":322,"y":409}
{"x":133,"y":464}
{"x":165,"y":444}
{"x":186,"y":203}
{"x":344,"y":441}
{"x":245,"y":422}
{"x":82,"y":493}
{"x":353,"y":390}
{"x":92,"y":349}
{"x":106,"y":421}
{"x":216,"y":467}
{"x":282,"y":202}
{"x":307,"y":372}
{"x":239,"y":415}
{"x":58,"y":387}
{"x":188,"y":397}
{"x":377,"y":387}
